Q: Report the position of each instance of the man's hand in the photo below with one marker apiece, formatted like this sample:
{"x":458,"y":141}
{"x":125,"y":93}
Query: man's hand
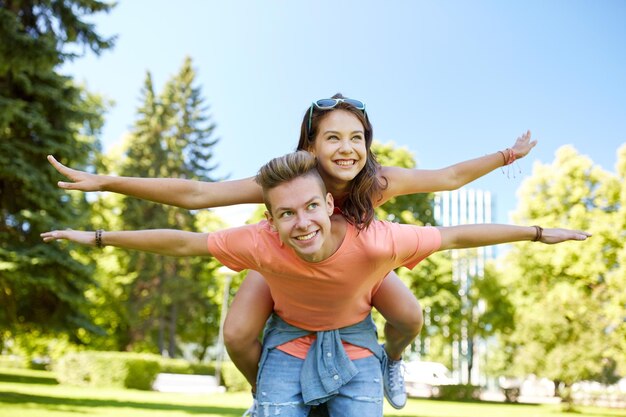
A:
{"x":551,"y":236}
{"x":84,"y":238}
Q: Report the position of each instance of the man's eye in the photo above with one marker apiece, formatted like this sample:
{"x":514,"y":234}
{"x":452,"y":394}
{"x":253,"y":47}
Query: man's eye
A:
{"x":313,"y":206}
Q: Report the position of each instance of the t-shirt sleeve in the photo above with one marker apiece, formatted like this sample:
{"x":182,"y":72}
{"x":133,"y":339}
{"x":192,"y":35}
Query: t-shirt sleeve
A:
{"x":234,"y":247}
{"x":427,"y":241}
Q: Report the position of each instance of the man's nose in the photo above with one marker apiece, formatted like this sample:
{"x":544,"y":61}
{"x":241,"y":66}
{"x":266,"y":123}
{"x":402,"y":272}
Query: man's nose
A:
{"x":303,"y":221}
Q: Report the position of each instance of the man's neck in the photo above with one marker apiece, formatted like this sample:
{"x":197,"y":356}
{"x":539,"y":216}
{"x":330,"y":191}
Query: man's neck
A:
{"x":338,"y":228}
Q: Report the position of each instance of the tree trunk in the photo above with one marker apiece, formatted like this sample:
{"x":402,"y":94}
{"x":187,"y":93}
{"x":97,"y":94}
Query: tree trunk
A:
{"x":173,"y":318}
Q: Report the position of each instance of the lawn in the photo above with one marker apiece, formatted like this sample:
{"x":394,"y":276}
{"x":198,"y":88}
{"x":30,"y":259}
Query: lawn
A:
{"x":26,"y":393}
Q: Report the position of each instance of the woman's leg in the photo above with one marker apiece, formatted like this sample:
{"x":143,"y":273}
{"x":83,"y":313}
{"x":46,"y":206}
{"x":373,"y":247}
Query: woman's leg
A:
{"x":404,"y":317}
{"x":403,"y":314}
{"x":244,"y":323}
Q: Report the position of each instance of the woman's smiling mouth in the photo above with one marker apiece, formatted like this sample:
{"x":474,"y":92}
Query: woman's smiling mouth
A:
{"x":345,"y":162}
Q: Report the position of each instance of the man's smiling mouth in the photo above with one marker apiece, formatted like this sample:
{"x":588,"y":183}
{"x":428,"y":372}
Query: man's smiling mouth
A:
{"x":307,"y":237}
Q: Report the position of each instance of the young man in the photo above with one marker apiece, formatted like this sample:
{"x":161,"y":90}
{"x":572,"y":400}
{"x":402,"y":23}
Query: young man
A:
{"x":321,"y":345}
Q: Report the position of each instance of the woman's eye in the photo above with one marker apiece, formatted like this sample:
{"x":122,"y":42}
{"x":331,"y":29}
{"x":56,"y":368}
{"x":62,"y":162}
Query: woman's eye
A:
{"x":357,"y":137}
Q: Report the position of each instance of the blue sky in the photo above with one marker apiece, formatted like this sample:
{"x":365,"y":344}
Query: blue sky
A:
{"x":448,"y":80}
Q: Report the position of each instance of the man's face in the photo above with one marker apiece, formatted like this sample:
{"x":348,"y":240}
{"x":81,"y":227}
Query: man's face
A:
{"x":301,"y":216}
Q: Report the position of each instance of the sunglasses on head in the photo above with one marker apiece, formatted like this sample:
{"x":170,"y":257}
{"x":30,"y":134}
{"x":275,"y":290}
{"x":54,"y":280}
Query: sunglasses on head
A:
{"x":329,"y":103}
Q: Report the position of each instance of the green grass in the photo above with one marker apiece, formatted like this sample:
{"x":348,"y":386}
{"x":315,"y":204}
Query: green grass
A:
{"x":25,"y":393}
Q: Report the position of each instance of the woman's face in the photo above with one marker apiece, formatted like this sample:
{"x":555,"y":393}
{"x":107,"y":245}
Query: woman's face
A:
{"x":339,"y":146}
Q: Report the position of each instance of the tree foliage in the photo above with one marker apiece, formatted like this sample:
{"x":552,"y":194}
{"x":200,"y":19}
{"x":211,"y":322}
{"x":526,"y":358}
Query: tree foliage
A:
{"x":42,"y":112}
{"x":431,"y":281}
{"x":452,"y":312}
{"x":568,"y":298}
{"x":411,"y":209}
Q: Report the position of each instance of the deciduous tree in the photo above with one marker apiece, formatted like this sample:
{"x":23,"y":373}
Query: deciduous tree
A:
{"x":569,"y":320}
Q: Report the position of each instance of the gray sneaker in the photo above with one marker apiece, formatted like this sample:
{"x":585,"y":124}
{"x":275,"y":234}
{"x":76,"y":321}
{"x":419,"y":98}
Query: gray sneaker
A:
{"x":393,"y":382}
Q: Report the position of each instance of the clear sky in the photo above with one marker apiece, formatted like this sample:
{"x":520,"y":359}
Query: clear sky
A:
{"x":448,"y":80}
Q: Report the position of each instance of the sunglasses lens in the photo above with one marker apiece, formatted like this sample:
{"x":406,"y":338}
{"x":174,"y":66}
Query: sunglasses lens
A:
{"x":326,"y":103}
{"x":355,"y":103}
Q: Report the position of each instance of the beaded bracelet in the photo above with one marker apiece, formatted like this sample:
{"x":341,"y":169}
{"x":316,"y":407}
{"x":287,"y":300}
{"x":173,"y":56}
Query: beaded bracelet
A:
{"x":99,"y":238}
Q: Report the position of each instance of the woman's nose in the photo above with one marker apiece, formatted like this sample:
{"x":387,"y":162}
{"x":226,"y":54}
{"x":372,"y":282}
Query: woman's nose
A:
{"x":345,"y":146}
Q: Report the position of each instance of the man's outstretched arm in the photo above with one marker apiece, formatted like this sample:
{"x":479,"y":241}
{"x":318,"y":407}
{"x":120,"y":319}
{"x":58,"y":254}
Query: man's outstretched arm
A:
{"x":475,"y":235}
{"x":167,"y":242}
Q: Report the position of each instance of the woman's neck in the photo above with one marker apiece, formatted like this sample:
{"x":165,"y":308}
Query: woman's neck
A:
{"x":338,"y":189}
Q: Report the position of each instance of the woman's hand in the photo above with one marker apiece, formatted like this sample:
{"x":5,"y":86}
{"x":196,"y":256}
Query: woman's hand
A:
{"x":523,"y":145}
{"x":80,"y":180}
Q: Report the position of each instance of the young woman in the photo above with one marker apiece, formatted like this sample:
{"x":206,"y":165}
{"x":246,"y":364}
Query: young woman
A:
{"x":338,"y":132}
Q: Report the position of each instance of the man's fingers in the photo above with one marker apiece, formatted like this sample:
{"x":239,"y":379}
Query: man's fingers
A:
{"x":66,"y":185}
{"x":50,"y":236}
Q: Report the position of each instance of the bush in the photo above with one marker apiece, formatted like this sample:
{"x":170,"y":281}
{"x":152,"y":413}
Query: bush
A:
{"x":11,"y":362}
{"x":459,"y":392}
{"x":232,"y":379}
{"x":108,"y":369}
{"x":203,"y":368}
{"x":72,"y":369}
{"x":182,"y":366}
{"x":175,"y":366}
{"x":21,"y":362}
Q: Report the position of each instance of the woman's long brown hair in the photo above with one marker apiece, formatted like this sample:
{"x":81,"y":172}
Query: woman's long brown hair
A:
{"x":366,"y":187}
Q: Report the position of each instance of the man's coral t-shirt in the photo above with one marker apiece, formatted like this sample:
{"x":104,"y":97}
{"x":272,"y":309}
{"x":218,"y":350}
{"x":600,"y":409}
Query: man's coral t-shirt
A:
{"x":333,"y":293}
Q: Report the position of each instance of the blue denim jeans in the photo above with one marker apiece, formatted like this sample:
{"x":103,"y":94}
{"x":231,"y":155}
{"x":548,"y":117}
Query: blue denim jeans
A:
{"x":279,"y":392}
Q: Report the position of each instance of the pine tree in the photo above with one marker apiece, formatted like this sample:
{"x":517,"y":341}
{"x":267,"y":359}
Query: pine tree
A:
{"x":172,"y":137}
{"x":42,"y":112}
{"x":190,"y":137}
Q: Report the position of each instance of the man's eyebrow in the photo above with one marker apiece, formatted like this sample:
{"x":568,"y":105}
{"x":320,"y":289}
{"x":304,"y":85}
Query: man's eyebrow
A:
{"x":311,"y":200}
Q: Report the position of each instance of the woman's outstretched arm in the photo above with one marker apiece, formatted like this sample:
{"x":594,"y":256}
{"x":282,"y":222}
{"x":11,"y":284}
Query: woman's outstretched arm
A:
{"x":183,"y":193}
{"x":403,"y":181}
